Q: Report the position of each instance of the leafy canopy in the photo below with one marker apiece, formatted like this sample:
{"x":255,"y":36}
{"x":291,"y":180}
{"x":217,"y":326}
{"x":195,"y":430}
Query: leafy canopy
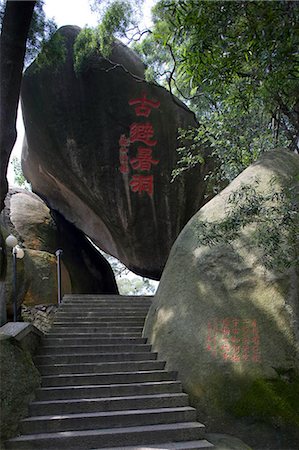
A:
{"x":236,"y":64}
{"x":117,"y":19}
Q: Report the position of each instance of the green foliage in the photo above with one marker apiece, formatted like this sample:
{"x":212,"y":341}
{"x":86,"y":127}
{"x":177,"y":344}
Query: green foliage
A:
{"x":53,"y":53}
{"x":116,"y":21}
{"x":236,"y":138}
{"x":218,"y":43}
{"x":236,"y":64}
{"x":86,"y":45}
{"x":271,"y":401}
{"x":117,"y":18}
{"x":41,"y":31}
{"x":19,"y":178}
{"x":40,"y":38}
{"x":190,"y":151}
{"x":274,"y":216}
{"x":92,"y":41}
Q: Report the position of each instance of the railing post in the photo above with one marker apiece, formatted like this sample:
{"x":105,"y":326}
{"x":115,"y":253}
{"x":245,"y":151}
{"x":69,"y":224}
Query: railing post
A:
{"x":58,"y":254}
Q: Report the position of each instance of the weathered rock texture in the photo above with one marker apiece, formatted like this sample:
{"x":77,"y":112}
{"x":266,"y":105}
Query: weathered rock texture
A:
{"x":228,"y":324}
{"x":41,"y":316}
{"x":72,"y":154}
{"x":42,"y":233}
{"x":19,"y":379}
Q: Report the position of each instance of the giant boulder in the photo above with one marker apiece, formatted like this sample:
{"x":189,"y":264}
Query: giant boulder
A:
{"x":227,"y":321}
{"x":100,"y":147}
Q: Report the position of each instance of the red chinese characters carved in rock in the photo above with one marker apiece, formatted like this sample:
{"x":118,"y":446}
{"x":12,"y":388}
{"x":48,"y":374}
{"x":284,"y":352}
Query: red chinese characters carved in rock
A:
{"x":143,"y":106}
{"x":143,"y":160}
{"x":142,"y":183}
{"x":234,"y":339}
{"x":124,"y":143}
{"x":142,"y":132}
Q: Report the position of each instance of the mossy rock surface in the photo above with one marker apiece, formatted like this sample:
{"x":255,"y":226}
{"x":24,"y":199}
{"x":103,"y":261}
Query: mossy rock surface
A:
{"x":271,"y":401}
{"x":19,"y":380}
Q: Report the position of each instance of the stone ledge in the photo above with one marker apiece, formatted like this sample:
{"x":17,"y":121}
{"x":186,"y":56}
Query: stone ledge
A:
{"x":25,"y":333}
{"x":19,"y":330}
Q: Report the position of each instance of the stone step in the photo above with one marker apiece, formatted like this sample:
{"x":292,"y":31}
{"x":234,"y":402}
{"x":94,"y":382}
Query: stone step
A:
{"x":107,"y":378}
{"x":127,"y":366}
{"x":102,"y":387}
{"x":110,"y":419}
{"x":99,"y":323}
{"x":100,"y":316}
{"x":106,"y":390}
{"x":87,"y":405}
{"x":47,"y":350}
{"x":101,"y":302}
{"x":107,"y":299}
{"x":114,"y":297}
{"x":95,"y":335}
{"x":85,"y":306}
{"x":97,"y":329}
{"x":52,"y":341}
{"x":94,"y":358}
{"x":188,"y":445}
{"x":82,"y":306}
{"x":73,"y":310}
{"x":88,"y":439}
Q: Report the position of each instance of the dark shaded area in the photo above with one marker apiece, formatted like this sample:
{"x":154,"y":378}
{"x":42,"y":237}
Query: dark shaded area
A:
{"x":89,"y":271}
{"x":15,"y":28}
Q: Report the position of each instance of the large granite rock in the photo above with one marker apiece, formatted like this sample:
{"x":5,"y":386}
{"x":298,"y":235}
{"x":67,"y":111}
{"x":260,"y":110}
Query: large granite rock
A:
{"x":84,"y":270}
{"x":229,"y":323}
{"x":78,"y":156}
{"x":31,"y":220}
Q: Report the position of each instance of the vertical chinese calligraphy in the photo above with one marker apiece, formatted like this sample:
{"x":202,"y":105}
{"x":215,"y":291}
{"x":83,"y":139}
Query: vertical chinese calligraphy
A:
{"x":234,"y":339}
{"x":142,"y":133}
{"x":123,"y":154}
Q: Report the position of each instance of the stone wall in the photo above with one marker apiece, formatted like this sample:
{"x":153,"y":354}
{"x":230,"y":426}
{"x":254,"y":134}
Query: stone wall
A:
{"x":41,"y":316}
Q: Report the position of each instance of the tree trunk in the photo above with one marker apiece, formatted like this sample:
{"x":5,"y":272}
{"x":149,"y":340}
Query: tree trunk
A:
{"x":15,"y":27}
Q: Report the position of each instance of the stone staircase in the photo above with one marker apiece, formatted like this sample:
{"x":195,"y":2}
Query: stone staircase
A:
{"x":102,"y":387}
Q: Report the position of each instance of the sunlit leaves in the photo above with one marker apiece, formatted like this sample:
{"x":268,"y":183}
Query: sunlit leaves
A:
{"x":274,"y":216}
{"x":115,"y":22}
{"x":86,"y":44}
